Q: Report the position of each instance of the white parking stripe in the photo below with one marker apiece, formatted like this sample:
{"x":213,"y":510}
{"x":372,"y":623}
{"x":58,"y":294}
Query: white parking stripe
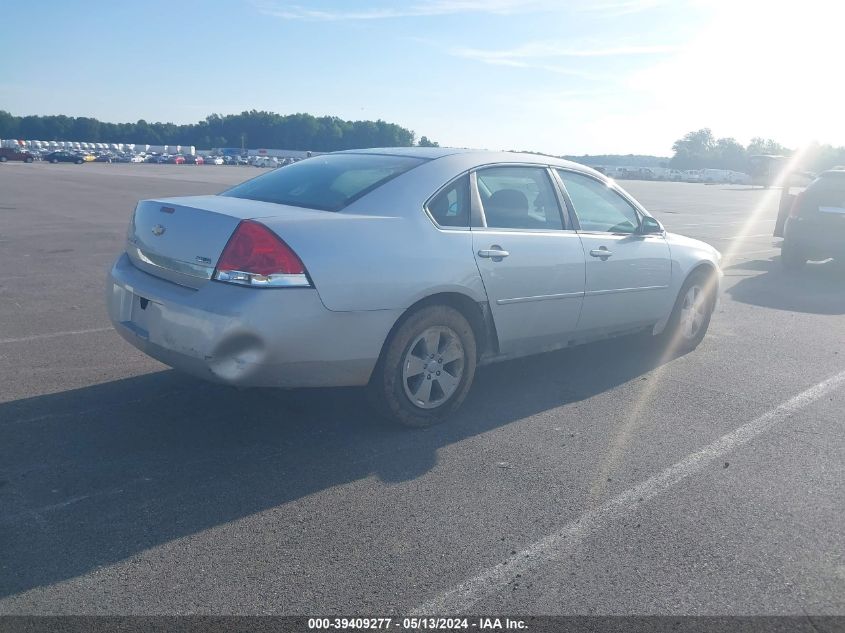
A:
{"x":36,"y":337}
{"x":461,"y":598}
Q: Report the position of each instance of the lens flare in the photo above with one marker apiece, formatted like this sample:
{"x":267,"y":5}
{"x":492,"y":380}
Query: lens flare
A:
{"x":621,"y":440}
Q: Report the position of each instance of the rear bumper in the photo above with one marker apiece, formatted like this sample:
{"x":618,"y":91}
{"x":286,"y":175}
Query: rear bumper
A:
{"x":815,"y":239}
{"x":247,"y":337}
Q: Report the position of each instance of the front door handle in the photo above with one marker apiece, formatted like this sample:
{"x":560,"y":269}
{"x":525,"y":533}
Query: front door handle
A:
{"x":495,"y":252}
{"x":601,"y":252}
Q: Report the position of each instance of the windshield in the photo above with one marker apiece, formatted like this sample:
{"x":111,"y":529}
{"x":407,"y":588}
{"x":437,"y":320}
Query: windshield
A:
{"x":328,"y":183}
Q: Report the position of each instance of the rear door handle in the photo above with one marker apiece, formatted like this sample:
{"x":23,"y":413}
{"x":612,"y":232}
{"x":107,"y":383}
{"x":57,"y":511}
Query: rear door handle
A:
{"x":601,"y":252}
{"x":495,"y":253}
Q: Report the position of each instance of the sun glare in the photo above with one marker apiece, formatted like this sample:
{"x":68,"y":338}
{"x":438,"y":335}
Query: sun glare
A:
{"x":756,"y":69}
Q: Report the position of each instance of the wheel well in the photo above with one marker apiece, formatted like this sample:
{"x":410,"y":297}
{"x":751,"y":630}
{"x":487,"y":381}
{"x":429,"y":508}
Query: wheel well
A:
{"x":477,"y":314}
{"x":710,"y":272}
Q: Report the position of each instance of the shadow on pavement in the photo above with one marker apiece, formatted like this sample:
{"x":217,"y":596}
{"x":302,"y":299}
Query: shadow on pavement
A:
{"x":94,"y":476}
{"x":818,"y":289}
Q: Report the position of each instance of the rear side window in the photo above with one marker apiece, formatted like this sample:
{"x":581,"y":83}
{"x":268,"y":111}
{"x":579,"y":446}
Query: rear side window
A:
{"x":328,"y":183}
{"x":450,"y":207}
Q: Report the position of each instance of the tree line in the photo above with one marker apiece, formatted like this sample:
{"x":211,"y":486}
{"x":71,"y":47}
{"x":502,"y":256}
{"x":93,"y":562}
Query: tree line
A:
{"x":700,"y":149}
{"x":248,"y":129}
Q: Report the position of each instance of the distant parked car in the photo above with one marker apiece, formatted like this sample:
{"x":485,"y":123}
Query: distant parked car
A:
{"x":176,"y":160}
{"x":465,"y":258}
{"x":105,"y":158}
{"x":266,"y":161}
{"x":214,"y":160}
{"x":63,"y":156}
{"x":88,"y":157}
{"x":194,"y":160}
{"x":12,"y":153}
{"x":137,"y":158}
{"x":815,"y":228}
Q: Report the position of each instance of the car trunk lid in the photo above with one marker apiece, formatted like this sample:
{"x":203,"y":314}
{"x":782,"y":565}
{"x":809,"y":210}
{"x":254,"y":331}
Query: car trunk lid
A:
{"x":181,"y":239}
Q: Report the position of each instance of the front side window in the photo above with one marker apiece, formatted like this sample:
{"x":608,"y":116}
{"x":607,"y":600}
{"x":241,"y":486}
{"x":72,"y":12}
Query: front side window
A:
{"x":597,"y":206}
{"x":518,"y":198}
{"x":451,"y":206}
{"x":328,"y":182}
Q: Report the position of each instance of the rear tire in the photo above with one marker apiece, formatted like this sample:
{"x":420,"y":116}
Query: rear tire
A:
{"x":691,"y":314}
{"x":3,"y":159}
{"x":791,"y":256}
{"x":54,"y":161}
{"x":28,"y":160}
{"x":426,"y":368}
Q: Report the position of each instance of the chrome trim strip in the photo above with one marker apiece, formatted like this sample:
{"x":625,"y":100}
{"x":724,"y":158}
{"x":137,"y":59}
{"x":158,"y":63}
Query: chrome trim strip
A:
{"x":504,"y":229}
{"x":169,"y":263}
{"x":594,"y":293}
{"x":562,"y":295}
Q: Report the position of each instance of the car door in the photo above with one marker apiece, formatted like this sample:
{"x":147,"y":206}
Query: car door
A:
{"x":628,"y":274}
{"x":529,"y":256}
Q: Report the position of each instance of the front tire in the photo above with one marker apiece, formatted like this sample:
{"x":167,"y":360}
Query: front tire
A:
{"x":426,"y":369}
{"x":54,"y":161}
{"x":3,"y":159}
{"x":691,"y":314}
{"x":28,"y":160}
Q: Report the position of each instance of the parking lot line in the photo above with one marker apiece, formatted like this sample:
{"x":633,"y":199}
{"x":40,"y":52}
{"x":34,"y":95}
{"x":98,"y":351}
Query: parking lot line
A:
{"x":35,"y":337}
{"x":460,"y":599}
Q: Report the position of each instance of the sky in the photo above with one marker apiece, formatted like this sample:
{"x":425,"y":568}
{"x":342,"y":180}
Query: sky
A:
{"x":555,"y":76}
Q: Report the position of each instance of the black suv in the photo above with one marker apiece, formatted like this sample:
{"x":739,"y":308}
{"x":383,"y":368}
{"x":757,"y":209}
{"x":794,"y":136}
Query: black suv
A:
{"x":815,"y":228}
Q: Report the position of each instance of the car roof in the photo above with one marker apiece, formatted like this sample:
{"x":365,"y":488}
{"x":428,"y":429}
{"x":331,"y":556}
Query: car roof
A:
{"x":418,"y":152}
{"x":836,"y":172}
{"x":476,"y":156}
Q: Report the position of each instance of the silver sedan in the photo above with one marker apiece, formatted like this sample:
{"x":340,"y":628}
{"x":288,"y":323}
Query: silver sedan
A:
{"x":402,"y":270}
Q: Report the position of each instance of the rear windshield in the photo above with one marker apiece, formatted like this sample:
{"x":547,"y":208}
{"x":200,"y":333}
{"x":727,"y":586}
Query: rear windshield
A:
{"x":829,"y":189}
{"x":328,"y":182}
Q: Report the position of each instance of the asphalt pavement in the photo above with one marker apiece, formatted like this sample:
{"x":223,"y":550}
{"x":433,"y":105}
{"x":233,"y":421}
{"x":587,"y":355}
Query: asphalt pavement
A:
{"x":605,"y":479}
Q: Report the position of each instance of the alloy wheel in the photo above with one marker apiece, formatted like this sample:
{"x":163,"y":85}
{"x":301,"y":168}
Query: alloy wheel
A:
{"x":433,"y":367}
{"x":693,"y":311}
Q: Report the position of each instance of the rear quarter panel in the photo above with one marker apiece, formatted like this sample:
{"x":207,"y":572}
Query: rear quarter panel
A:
{"x":381,"y":262}
{"x":383,"y":252}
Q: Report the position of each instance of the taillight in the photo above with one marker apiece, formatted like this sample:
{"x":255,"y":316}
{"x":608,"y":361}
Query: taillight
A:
{"x":255,"y":256}
{"x":795,"y":209}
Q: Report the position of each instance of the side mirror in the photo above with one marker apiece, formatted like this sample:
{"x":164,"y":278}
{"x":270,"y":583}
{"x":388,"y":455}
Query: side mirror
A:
{"x":650,"y":226}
